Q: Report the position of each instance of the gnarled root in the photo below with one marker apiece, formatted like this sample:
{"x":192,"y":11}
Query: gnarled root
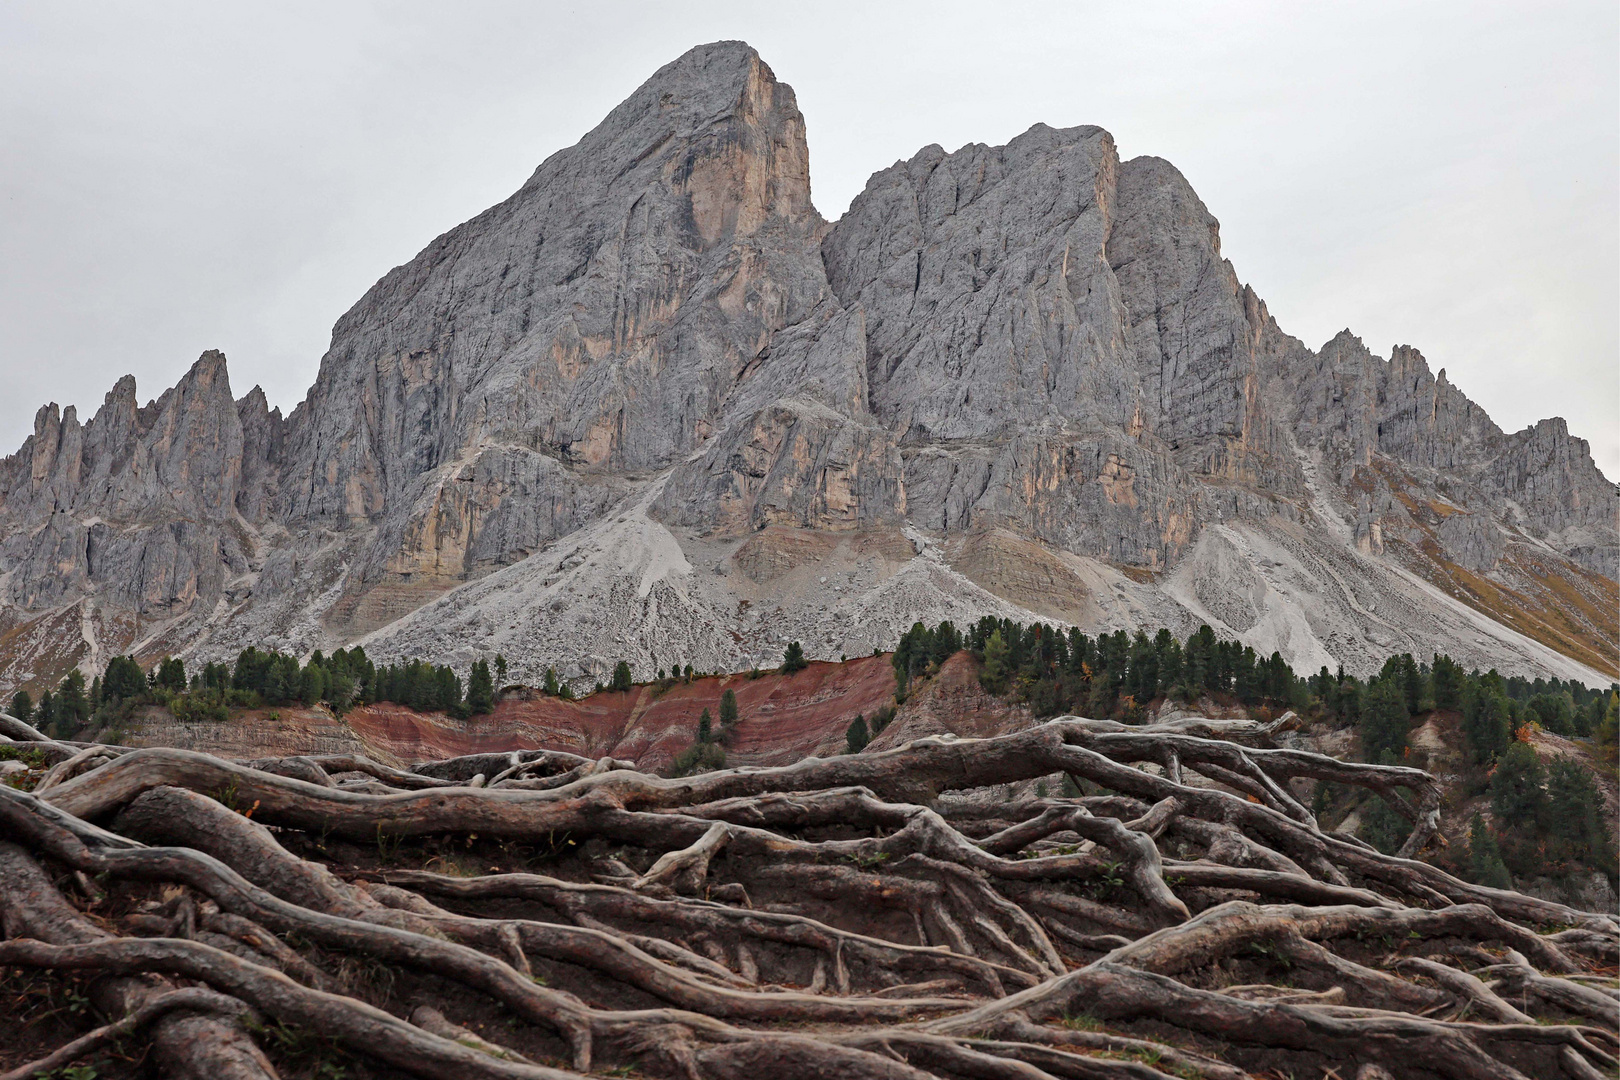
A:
{"x":834,"y":917}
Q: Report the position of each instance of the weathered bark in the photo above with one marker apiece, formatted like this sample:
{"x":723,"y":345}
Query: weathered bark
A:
{"x":353,"y":1024}
{"x":1475,"y":995}
{"x":189,"y":1043}
{"x":189,"y":1000}
{"x":20,"y":731}
{"x":603,"y":904}
{"x":1571,"y":997}
{"x":897,"y":934}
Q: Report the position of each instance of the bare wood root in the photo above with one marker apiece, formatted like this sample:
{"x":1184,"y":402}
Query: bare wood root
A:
{"x":65,"y":770}
{"x":20,"y":731}
{"x":1016,"y":1027}
{"x":1399,"y":1042}
{"x":834,"y":917}
{"x":430,"y":1019}
{"x":190,"y":999}
{"x":916,"y":773}
{"x":688,"y":867}
{"x":188,"y":1043}
{"x":1475,"y":995}
{"x":1571,"y":997}
{"x":353,"y":1024}
{"x":413,"y":948}
{"x":610,"y":904}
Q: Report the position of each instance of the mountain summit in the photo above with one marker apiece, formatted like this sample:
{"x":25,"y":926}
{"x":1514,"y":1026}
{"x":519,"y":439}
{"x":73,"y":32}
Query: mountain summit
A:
{"x":652,"y":407}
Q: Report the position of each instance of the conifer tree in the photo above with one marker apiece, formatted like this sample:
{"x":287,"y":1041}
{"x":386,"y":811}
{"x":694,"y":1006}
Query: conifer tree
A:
{"x":123,"y":679}
{"x":72,"y":704}
{"x":1487,"y":721}
{"x":997,"y":654}
{"x":1169,"y":652}
{"x":1447,"y":677}
{"x":856,"y":736}
{"x":1555,"y":712}
{"x":1575,"y":818}
{"x":480,"y":689}
{"x":1516,"y":791}
{"x":1485,"y":857}
{"x":171,"y":674}
{"x":1384,"y":720}
{"x":1607,"y":736}
{"x":312,"y":684}
{"x":728,"y":709}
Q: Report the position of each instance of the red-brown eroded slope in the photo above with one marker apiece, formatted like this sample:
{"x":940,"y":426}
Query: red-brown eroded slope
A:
{"x":953,"y":702}
{"x":781,"y":719}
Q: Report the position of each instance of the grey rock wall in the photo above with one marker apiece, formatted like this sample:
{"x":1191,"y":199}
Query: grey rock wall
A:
{"x":137,"y":505}
{"x":656,"y":349}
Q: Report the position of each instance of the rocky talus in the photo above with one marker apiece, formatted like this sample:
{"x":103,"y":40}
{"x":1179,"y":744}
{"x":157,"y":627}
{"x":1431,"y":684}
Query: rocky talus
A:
{"x":653,"y":407}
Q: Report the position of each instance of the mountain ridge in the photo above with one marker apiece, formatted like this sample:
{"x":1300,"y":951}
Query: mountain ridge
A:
{"x":653,"y":404}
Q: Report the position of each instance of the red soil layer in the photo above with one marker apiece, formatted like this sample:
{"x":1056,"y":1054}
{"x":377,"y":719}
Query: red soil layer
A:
{"x":781,"y":718}
{"x":952,"y":702}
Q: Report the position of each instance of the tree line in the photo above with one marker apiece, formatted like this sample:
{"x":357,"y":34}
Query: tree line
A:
{"x":1548,"y":816}
{"x":262,"y":678}
{"x":1553,"y":807}
{"x":259,"y":678}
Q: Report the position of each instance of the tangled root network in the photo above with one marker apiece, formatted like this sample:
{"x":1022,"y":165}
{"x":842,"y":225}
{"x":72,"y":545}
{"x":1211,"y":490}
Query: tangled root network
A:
{"x":889,"y":915}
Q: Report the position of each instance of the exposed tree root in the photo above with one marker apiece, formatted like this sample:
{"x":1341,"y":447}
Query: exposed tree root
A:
{"x":191,"y":1000}
{"x":204,"y":1043}
{"x":542,"y":914}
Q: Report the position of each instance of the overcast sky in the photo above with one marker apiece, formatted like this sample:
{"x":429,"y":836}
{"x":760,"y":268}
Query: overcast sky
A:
{"x":179,"y":177}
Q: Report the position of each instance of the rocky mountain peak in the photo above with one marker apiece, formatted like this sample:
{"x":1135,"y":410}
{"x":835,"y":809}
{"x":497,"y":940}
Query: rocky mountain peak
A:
{"x":742,"y":155}
{"x":591,"y":324}
{"x":652,"y":407}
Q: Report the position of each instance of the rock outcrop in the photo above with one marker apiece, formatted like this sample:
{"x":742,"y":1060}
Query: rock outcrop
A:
{"x":136,"y":506}
{"x":590,"y":324}
{"x":653,"y":407}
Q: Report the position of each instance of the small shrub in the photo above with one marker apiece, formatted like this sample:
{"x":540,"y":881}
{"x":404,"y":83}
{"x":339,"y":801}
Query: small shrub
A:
{"x":698,"y":758}
{"x":793,"y":658}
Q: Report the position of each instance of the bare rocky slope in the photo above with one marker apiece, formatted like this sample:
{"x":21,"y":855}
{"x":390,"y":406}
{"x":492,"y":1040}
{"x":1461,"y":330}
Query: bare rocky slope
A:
{"x":654,"y":407}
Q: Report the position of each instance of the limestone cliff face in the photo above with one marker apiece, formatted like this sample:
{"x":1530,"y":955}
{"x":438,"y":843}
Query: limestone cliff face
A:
{"x":135,"y":505}
{"x":1019,"y":379}
{"x":1057,"y":345}
{"x":1356,"y":405}
{"x":799,"y":446}
{"x":590,"y":325}
{"x":1358,"y":408}
{"x":1553,"y":485}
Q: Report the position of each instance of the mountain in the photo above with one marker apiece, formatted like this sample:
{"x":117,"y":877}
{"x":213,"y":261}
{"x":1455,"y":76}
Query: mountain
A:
{"x":653,"y":407}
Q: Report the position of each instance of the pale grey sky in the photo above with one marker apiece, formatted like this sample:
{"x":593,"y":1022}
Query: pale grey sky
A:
{"x":177,"y":177}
